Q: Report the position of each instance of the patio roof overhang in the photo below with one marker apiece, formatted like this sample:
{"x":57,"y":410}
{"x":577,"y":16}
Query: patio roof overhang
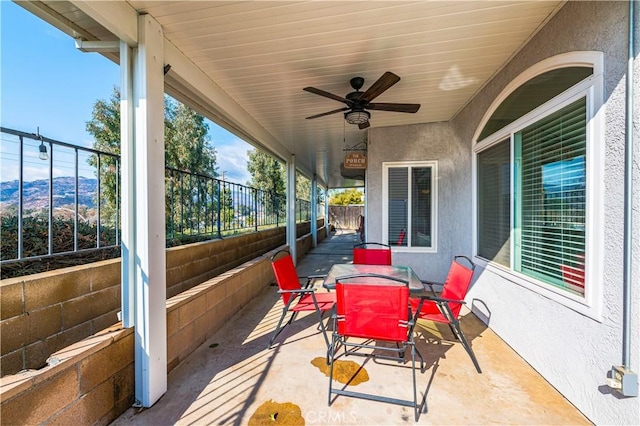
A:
{"x":244,"y":64}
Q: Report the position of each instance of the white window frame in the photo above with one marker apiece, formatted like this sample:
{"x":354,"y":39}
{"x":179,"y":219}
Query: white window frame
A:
{"x":433,"y":164}
{"x":593,"y":89}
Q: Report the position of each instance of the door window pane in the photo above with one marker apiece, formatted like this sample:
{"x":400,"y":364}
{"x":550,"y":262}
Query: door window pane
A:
{"x":398,"y":205}
{"x":421,"y":206}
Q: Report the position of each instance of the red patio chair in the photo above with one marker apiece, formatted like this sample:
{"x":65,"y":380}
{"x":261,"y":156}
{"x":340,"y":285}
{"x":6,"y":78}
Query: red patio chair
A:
{"x":371,"y":254}
{"x":446,"y":308}
{"x":372,"y":308}
{"x":297,"y":298}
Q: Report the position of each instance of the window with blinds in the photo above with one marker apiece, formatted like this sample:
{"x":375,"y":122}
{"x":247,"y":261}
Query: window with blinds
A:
{"x":531,"y":162}
{"x":550,"y":202}
{"x":410,"y":209}
{"x":398,"y":208}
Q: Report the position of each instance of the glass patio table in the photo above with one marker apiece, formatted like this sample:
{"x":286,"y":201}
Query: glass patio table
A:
{"x":401,"y":272}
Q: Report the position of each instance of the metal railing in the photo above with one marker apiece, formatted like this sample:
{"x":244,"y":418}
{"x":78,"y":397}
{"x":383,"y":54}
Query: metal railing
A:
{"x":82,"y":202}
{"x":201,"y":205}
{"x":95,"y":229}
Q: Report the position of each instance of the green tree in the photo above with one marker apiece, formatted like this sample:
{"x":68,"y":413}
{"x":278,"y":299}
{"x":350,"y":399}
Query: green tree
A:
{"x":268,"y":175}
{"x":187,"y":144}
{"x":346,"y":197}
{"x":227,"y":213}
{"x":105,"y":128}
{"x":303,"y":187}
{"x":187,"y":147}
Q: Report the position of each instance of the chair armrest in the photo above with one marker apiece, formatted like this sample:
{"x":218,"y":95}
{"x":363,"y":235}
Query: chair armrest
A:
{"x":317,"y":277}
{"x":442,"y":304}
{"x":430,"y":284}
{"x":302,"y":290}
{"x":310,"y":279}
{"x":442,"y":299}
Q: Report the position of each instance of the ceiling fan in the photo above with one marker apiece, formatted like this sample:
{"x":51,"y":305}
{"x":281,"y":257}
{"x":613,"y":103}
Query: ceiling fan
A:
{"x":359,"y":102}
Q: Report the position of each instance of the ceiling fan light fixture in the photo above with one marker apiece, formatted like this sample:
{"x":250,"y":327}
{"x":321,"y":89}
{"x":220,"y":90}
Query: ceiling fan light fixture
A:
{"x":357,"y":117}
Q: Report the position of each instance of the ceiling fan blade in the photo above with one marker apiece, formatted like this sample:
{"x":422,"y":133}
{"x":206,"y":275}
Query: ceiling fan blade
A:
{"x":394,"y":107}
{"x":387,"y":80}
{"x":327,"y":95}
{"x":328,"y":113}
{"x":364,"y":125}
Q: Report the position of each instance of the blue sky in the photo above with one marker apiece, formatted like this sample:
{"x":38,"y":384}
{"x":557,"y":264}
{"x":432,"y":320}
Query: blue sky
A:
{"x":46,"y":82}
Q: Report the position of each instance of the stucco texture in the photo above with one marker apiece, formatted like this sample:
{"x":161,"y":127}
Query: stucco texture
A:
{"x":573,"y":351}
{"x":425,"y":142}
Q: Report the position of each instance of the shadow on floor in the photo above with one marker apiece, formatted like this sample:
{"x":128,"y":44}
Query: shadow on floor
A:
{"x":231,"y":375}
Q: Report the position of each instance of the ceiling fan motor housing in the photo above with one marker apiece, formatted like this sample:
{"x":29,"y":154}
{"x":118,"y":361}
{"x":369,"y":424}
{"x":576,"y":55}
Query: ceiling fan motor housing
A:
{"x":354,"y":97}
{"x":357,"y":83}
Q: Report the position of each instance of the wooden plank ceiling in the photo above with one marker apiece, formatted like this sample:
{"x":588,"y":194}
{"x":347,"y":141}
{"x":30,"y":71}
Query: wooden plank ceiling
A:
{"x":263,"y":53}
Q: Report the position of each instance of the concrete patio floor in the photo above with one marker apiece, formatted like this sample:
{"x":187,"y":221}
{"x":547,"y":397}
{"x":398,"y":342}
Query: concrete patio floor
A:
{"x":228,"y":379}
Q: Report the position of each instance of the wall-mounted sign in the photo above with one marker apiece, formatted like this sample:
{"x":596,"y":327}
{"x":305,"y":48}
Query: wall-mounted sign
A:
{"x":355,"y":160}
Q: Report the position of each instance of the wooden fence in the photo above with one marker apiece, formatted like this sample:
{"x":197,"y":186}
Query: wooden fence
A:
{"x":346,"y":217}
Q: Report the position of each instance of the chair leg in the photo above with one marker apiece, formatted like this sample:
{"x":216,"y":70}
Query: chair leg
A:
{"x":422,"y":363}
{"x":330,"y":358}
{"x":415,"y":391}
{"x":278,"y":328}
{"x":466,"y":345}
{"x":323,"y":329}
{"x":453,"y":331}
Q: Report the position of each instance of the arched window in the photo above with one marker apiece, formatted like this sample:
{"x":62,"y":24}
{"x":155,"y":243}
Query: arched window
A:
{"x":532,"y":94}
{"x":535,"y":177}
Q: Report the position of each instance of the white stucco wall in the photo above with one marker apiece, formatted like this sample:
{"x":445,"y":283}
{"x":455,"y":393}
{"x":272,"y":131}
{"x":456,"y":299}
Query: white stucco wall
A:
{"x":425,"y":142}
{"x":572,"y":351}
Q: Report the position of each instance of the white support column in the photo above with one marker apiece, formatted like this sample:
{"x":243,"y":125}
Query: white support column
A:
{"x":144,"y":201}
{"x":314,"y":211}
{"x":291,"y":206}
{"x":127,"y":154}
{"x":326,"y":210}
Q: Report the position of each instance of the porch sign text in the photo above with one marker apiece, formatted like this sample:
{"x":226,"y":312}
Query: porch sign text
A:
{"x":355,"y":160}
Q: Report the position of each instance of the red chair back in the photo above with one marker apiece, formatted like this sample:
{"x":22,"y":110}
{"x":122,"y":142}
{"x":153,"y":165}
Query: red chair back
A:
{"x":457,"y":285}
{"x":372,"y":254}
{"x":372,"y":311}
{"x":286,"y":276}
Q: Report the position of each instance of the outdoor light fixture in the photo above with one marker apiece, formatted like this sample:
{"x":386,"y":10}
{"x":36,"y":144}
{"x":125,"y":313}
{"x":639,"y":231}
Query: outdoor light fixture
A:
{"x":43,"y":150}
{"x":357,"y":117}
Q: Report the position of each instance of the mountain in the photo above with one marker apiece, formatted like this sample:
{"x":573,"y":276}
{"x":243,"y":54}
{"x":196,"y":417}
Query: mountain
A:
{"x":36,"y":193}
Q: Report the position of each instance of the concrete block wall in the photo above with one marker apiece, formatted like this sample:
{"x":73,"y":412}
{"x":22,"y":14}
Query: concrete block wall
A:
{"x":42,"y":313}
{"x":196,"y":314}
{"x":204,"y":260}
{"x":92,"y":381}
